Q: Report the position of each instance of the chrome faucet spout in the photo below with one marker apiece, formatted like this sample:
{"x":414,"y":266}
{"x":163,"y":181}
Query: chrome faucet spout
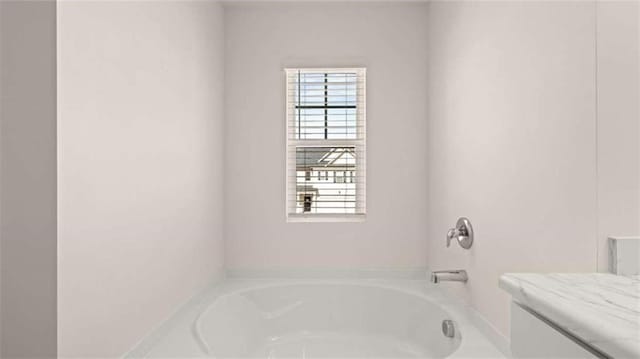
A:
{"x":459,"y":275}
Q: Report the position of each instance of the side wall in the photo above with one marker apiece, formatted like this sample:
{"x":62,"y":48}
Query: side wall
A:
{"x":512,"y":141}
{"x":262,"y":40}
{"x":27,"y":179}
{"x":140,"y":131}
{"x":618,"y":122}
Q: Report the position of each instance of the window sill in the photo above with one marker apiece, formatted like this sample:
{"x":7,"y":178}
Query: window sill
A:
{"x":326,"y":218}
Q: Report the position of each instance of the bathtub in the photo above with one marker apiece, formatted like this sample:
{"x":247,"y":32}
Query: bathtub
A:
{"x":320,"y":319}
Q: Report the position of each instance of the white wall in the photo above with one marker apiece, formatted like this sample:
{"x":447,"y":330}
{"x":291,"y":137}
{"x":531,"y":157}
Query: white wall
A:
{"x":262,"y":40}
{"x":512,"y":141}
{"x":140,"y":160}
{"x":27,"y":179}
{"x":618,"y":122}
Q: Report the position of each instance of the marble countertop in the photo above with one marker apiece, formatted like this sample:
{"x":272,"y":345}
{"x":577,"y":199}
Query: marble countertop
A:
{"x":603,"y":310}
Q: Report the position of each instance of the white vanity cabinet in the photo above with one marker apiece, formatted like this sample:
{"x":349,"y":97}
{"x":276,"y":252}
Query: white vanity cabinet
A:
{"x":573,"y":315}
{"x":532,"y":336}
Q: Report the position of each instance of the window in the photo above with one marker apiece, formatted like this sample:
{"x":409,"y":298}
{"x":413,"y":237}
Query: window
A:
{"x":326,"y":134}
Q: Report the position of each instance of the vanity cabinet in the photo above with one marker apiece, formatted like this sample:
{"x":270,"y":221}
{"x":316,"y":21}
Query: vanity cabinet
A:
{"x":532,"y":336}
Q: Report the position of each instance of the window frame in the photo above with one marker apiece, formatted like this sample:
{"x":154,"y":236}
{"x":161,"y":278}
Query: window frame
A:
{"x":359,"y":143}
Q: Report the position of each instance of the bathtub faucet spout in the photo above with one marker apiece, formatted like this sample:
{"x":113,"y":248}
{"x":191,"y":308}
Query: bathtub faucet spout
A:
{"x":459,"y":275}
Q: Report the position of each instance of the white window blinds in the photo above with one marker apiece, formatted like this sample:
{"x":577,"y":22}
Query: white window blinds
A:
{"x":326,"y":144}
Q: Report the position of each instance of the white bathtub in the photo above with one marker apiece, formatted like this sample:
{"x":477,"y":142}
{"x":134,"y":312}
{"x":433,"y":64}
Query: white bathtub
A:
{"x":319,"y":319}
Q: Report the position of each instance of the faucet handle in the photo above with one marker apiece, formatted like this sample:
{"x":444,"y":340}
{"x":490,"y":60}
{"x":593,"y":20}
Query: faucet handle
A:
{"x":463,"y":233}
{"x":453,"y":232}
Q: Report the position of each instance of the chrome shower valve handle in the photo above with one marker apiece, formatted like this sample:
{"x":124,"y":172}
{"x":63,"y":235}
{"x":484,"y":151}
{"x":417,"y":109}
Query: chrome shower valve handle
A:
{"x":463,"y":233}
{"x":453,"y":232}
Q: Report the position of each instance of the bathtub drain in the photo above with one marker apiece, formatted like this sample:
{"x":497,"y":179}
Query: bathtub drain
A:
{"x":448,"y":329}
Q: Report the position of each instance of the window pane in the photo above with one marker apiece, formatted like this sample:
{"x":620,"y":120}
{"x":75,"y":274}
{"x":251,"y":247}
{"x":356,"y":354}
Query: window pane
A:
{"x":336,"y":191}
{"x":325,"y":106}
